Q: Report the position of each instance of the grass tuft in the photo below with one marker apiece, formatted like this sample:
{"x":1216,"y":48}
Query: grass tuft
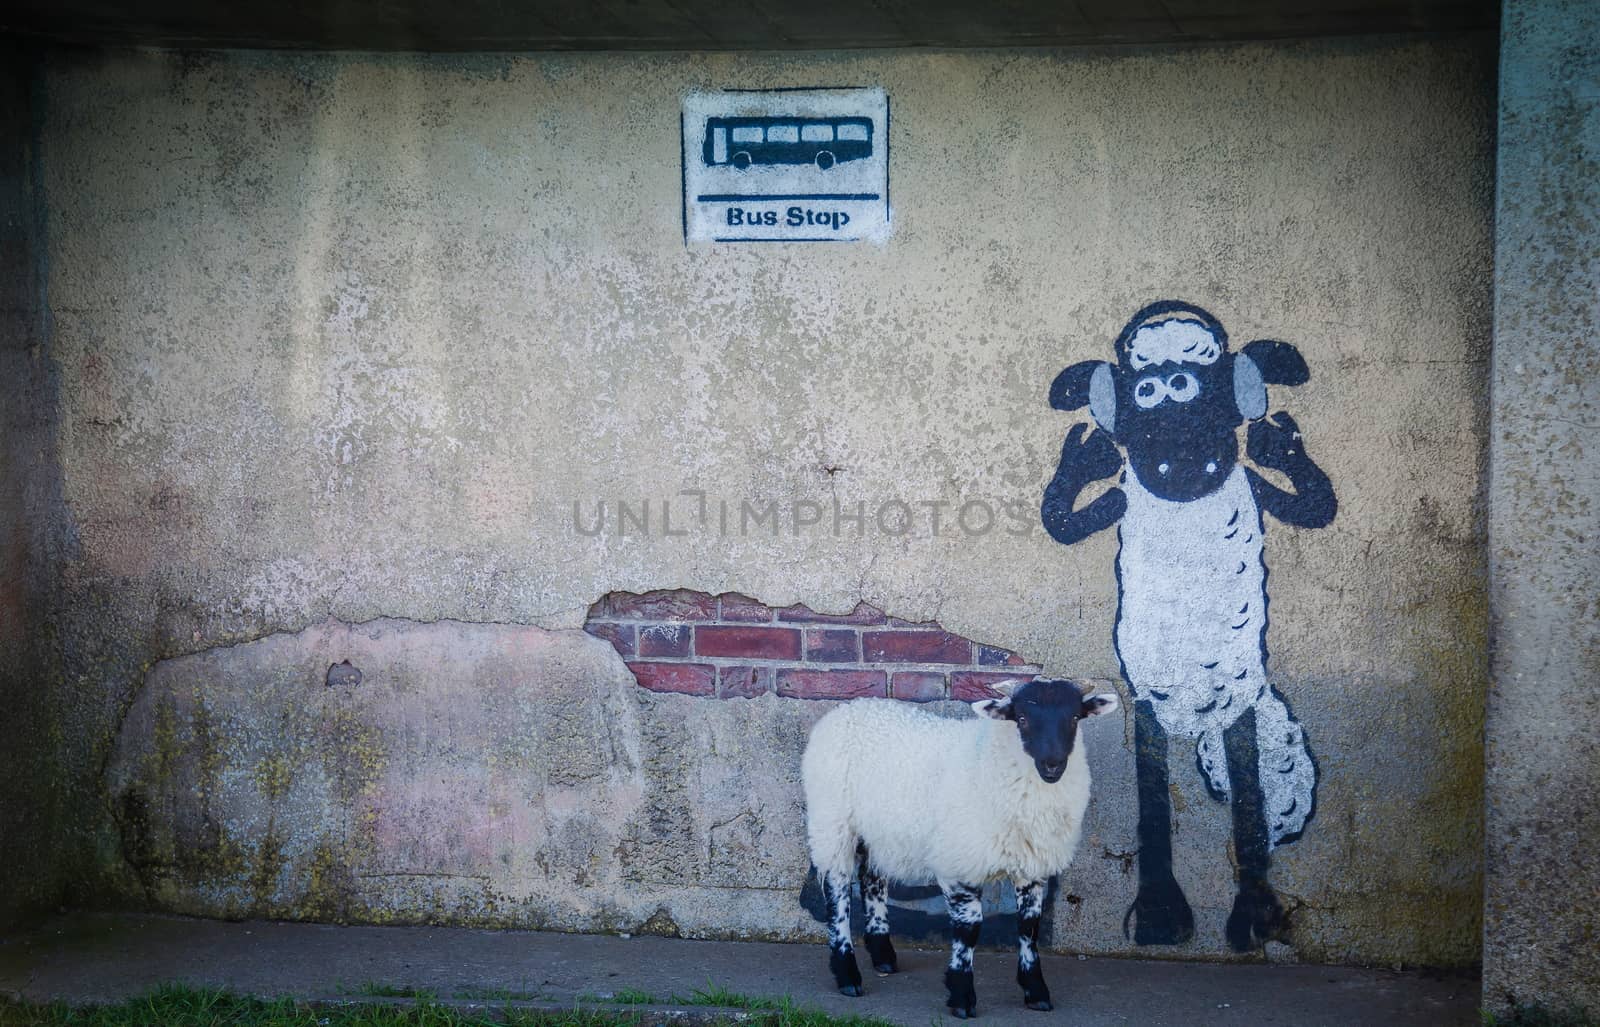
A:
{"x":177,"y":1006}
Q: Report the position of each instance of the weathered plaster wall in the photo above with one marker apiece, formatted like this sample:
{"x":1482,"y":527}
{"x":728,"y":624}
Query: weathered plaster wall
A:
{"x":347,"y":337}
{"x":1541,"y":935}
{"x":29,"y":514}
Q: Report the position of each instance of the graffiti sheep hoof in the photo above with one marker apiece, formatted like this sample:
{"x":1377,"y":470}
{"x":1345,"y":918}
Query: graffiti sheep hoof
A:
{"x":1257,"y":918}
{"x":1160,"y":915}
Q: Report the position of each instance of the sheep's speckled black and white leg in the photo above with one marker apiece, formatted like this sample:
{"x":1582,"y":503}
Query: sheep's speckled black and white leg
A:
{"x":1030,"y":911}
{"x":841,"y":954}
{"x":875,"y":897}
{"x":966,"y":919}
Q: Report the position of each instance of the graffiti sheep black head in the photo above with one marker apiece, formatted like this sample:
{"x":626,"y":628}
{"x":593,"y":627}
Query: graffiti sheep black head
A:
{"x":1046,"y":713}
{"x":1175,"y":395}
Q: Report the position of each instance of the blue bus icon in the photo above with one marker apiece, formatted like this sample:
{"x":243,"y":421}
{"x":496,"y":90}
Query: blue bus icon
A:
{"x":741,"y":142}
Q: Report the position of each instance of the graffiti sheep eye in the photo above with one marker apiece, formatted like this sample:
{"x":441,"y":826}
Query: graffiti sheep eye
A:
{"x":1183,"y":387}
{"x":1148,"y":392}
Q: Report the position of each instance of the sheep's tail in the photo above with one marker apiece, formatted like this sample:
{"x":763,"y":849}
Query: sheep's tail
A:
{"x":1287,"y":772}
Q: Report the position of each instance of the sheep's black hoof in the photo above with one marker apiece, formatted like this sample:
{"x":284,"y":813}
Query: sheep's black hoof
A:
{"x":963,"y":997}
{"x":881,"y":952}
{"x":1160,"y":915}
{"x":846,"y":975}
{"x":1035,"y":995}
{"x":1257,"y":916}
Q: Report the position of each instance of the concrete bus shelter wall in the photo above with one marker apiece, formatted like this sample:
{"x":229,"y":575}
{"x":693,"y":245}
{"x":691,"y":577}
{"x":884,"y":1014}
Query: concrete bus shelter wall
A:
{"x":352,"y":347}
{"x":1541,"y":935}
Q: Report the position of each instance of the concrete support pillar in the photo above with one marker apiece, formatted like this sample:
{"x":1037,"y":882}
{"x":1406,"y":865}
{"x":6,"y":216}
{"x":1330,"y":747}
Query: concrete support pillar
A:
{"x":1542,"y":903}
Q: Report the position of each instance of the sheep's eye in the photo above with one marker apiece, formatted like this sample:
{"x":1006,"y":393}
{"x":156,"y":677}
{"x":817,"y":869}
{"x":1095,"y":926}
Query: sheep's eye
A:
{"x":1183,"y":387}
{"x":1022,"y":720}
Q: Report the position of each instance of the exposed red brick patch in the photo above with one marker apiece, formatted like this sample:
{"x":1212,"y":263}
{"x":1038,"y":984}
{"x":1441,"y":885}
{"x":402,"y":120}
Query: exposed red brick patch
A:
{"x":915,"y":647}
{"x":805,"y":683}
{"x":731,"y":646}
{"x":990,"y":656}
{"x":741,"y":609}
{"x":832,"y":645}
{"x":661,"y":605}
{"x":691,"y":678}
{"x":666,"y":640}
{"x":917,"y":685}
{"x":747,"y":643}
{"x":864,"y":613}
{"x":733,"y":682}
{"x":970,"y":686}
{"x":620,"y":636}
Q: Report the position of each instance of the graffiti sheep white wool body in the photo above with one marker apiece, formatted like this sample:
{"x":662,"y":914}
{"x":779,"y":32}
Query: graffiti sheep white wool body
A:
{"x":935,"y":798}
{"x":1191,"y":634}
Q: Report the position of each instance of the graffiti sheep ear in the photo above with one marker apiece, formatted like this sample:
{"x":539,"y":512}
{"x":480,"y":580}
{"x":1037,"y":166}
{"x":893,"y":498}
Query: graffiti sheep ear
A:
{"x":1070,"y":390}
{"x":1279,"y":363}
{"x":1249,"y":388}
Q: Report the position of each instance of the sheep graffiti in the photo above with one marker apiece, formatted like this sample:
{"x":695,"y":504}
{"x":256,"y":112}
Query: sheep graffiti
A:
{"x":1191,"y":628}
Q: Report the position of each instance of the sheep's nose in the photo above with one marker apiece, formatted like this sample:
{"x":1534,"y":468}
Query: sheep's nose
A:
{"x":1053,"y":769}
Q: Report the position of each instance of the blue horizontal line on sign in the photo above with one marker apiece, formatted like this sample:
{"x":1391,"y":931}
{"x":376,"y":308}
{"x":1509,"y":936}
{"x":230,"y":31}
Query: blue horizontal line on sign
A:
{"x":779,"y":239}
{"x":735,"y":197}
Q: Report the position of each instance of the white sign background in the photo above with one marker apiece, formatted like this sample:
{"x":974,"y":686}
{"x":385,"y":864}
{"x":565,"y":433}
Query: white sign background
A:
{"x":767,"y":201}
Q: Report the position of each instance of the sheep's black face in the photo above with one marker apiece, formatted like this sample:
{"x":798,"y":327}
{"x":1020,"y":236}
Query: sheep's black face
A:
{"x":1047,"y":713}
{"x":1177,"y":420}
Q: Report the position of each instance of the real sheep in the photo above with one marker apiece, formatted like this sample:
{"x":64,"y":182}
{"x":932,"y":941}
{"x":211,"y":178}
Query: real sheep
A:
{"x":894,"y":792}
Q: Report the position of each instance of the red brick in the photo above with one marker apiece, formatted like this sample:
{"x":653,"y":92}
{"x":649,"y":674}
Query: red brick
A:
{"x":917,"y":686}
{"x":864,"y":613}
{"x":742,"y":609}
{"x":733,"y":682}
{"x":832,"y":645}
{"x":804,"y":683}
{"x":665,"y":639}
{"x":750,"y":643}
{"x":691,"y":678}
{"x":972,"y":685}
{"x":914,"y":647}
{"x":661,"y":605}
{"x":619,"y":635}
{"x":993,"y":656}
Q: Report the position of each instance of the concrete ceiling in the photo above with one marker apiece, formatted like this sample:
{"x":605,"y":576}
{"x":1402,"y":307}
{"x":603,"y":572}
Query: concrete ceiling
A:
{"x":718,"y":24}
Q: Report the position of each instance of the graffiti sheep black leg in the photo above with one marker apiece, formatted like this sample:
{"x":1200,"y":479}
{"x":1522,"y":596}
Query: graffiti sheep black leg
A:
{"x":1030,"y":912}
{"x":966,"y":920}
{"x":1257,"y":915}
{"x":1160,"y":914}
{"x":875,"y":897}
{"x":1191,"y":629}
{"x":841,"y":954}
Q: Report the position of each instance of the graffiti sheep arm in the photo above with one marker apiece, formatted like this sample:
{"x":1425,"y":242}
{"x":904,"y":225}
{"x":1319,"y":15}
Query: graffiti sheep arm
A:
{"x":894,"y":792}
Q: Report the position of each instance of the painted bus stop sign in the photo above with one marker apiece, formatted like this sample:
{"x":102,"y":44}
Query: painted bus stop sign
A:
{"x":787,"y":165}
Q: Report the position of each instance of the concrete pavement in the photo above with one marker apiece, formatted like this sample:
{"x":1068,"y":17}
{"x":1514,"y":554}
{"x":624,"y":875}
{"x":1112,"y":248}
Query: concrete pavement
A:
{"x":83,"y":958}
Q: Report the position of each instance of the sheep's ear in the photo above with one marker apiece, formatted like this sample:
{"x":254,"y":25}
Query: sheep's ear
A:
{"x":1008,"y":688}
{"x":1095,"y":705}
{"x":995,"y":709}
